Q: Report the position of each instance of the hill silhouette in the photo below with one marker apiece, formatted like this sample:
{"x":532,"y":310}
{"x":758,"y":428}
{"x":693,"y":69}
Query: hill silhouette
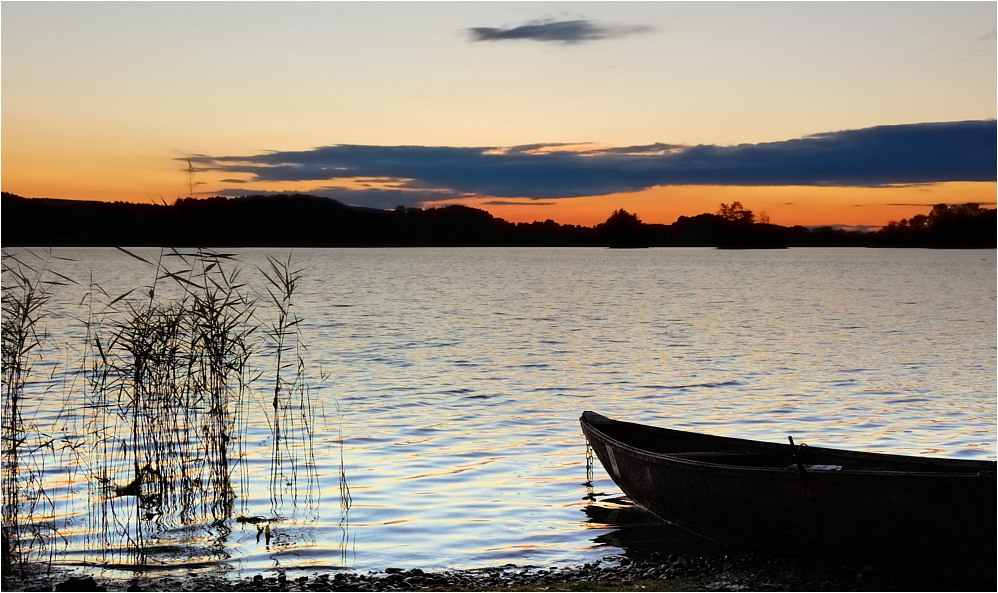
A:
{"x":297,"y":220}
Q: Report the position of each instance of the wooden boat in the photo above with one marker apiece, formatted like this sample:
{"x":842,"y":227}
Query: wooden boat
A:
{"x":928,"y":513}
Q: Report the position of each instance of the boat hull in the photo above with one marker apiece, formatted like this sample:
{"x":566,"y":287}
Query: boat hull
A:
{"x":866,"y":507}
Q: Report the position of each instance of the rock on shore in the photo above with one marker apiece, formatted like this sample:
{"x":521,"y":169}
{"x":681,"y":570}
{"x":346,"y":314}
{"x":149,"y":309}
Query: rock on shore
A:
{"x":614,"y":573}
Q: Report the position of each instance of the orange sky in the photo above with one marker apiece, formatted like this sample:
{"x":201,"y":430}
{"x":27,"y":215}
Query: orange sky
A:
{"x":784,"y":205}
{"x":103,"y":100}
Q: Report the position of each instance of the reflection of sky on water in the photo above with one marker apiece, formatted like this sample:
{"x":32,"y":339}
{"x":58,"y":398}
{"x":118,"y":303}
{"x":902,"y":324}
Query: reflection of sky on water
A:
{"x":457,"y":378}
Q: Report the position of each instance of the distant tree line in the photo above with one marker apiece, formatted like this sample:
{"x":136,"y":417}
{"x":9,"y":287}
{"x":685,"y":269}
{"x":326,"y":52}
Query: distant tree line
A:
{"x":302,"y":220}
{"x":964,"y":225}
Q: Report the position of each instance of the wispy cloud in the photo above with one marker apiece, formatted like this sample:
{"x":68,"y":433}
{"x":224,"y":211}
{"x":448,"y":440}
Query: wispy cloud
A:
{"x":933,"y":203}
{"x":875,"y":157}
{"x":517,"y":203}
{"x":862,"y":228}
{"x":575,"y":31}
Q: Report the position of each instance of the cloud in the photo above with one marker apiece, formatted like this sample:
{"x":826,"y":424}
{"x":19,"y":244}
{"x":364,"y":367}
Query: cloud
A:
{"x":515,"y":203}
{"x":656,"y":148}
{"x":881,"y":156}
{"x":931,"y":204}
{"x":567,"y":32}
{"x":862,"y":228}
{"x":535,"y":148}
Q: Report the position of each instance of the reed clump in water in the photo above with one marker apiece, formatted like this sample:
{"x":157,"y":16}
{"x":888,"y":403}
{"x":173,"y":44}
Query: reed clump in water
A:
{"x":291,"y":411}
{"x":167,"y":379}
{"x":25,"y":294}
{"x":168,"y":394}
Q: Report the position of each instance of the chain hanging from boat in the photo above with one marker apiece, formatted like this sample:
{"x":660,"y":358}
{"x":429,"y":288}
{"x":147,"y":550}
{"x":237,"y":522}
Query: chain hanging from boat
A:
{"x":589,"y":465}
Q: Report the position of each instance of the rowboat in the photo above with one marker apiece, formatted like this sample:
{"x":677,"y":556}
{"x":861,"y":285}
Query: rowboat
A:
{"x":888,"y":510}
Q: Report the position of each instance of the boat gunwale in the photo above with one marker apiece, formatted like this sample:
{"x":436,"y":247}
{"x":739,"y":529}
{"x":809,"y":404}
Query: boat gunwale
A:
{"x":984,"y":468}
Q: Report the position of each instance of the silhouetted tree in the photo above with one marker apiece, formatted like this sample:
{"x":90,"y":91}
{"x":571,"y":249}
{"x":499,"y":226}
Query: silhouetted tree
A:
{"x":735,"y":212}
{"x":963,"y":225}
{"x":624,"y":219}
{"x":623,"y":229}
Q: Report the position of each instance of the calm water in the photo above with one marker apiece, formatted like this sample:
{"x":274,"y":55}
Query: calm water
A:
{"x":457,"y":377}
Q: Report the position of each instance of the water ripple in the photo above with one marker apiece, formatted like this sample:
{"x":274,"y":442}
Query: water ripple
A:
{"x":455,"y":378}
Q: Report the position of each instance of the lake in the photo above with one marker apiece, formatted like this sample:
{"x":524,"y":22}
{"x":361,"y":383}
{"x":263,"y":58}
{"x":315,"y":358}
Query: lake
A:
{"x":454,"y":379}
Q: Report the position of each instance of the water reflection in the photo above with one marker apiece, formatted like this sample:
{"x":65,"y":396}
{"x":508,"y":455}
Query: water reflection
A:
{"x":641,"y":534}
{"x":460,"y":376}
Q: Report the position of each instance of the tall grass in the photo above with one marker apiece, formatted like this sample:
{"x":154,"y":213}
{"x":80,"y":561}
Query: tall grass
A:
{"x":29,"y":452}
{"x":167,"y":378}
{"x":24,"y":297}
{"x":166,"y":402}
{"x":292,"y":414}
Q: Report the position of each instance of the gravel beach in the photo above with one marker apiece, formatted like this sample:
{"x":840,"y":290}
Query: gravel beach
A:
{"x":731,"y":572}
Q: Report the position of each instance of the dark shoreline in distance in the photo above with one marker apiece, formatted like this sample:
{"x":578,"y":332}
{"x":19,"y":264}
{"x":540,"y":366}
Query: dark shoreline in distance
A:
{"x":310,"y":221}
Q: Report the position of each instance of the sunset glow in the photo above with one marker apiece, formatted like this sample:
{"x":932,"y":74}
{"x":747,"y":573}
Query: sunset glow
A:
{"x":502,"y":105}
{"x":787,"y":206}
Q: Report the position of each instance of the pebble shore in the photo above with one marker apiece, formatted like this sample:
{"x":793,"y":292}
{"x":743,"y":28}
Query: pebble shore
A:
{"x":615,"y":573}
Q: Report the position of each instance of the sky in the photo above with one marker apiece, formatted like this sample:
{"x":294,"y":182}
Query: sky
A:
{"x":813,"y":113}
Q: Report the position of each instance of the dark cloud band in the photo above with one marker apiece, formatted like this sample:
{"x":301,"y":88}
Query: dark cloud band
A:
{"x":577,"y":31}
{"x":878,"y":156}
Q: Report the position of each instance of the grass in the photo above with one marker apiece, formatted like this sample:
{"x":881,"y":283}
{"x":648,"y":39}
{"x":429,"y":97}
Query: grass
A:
{"x":27,"y":509}
{"x":166,"y":379}
{"x":292,"y":413}
{"x":160,"y":397}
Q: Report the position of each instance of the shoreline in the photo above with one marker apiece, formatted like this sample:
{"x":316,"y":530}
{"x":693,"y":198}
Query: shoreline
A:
{"x":657,"y":572}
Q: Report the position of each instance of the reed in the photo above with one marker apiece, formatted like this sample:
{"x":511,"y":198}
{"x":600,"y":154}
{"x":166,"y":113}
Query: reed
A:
{"x":166,"y":403}
{"x":26,"y":526}
{"x":292,"y":413}
{"x":169,"y":376}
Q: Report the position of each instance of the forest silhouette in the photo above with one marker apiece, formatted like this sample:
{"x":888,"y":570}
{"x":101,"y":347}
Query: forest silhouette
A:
{"x":302,"y":220}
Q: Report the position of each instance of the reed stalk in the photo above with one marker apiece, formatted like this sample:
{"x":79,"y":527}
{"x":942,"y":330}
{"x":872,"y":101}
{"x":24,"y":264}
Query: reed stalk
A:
{"x":25,"y":294}
{"x":169,"y":376}
{"x":291,"y":408}
{"x":164,"y":412}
